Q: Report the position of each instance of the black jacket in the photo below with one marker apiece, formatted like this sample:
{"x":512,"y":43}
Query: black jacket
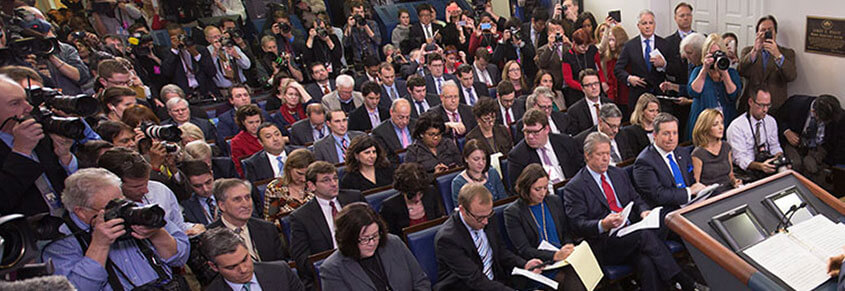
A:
{"x":265,"y":238}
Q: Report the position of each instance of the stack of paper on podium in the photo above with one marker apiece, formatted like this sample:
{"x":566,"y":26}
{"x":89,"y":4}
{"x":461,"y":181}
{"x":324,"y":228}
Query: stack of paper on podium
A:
{"x":582,"y":260}
{"x":799,"y":257}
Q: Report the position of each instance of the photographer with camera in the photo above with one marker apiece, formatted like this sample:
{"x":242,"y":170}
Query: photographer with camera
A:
{"x":228,"y":58}
{"x":812,"y":135}
{"x":512,"y":47}
{"x":34,"y":164}
{"x":188,"y":65}
{"x":753,"y":136}
{"x":114,"y":16}
{"x":274,"y":64}
{"x":112,"y":244}
{"x":753,"y":65}
{"x":568,"y":13}
{"x":361,"y":34}
{"x":322,"y":46}
{"x":714,"y":84}
{"x":550,"y":55}
{"x":486,"y":35}
{"x":146,"y":57}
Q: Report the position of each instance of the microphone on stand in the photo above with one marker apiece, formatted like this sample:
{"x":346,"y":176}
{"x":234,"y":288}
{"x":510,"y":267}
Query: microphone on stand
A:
{"x":786,"y":220}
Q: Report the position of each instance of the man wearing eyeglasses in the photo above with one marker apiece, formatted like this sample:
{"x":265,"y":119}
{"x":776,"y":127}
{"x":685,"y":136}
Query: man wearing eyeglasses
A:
{"x":312,"y":224}
{"x":610,"y":120}
{"x":584,"y":113}
{"x":559,"y":154}
{"x":458,"y":116}
{"x":541,"y":99}
{"x":469,"y":252}
{"x":753,"y":137}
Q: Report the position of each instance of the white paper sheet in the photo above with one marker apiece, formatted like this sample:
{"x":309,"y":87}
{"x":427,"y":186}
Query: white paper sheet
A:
{"x":547,"y":246}
{"x":652,"y":220}
{"x":792,"y":263}
{"x":703,"y":194}
{"x":822,"y":236}
{"x":625,"y":214}
{"x":536,"y":277}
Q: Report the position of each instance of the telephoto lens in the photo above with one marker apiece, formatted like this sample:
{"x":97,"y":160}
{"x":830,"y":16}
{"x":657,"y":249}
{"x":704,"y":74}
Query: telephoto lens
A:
{"x":70,"y":127}
{"x":151,"y":216}
{"x":169,"y":132}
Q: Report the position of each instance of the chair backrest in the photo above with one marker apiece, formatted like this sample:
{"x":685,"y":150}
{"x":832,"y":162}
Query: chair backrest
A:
{"x":420,"y":240}
{"x":444,"y":185}
{"x":375,"y":199}
{"x":284,"y":221}
{"x":503,"y":164}
{"x":341,"y":170}
{"x":316,"y":260}
{"x":499,"y":210}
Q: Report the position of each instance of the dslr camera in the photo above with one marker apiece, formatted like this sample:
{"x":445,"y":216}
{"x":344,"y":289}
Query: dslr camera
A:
{"x":151,"y":216}
{"x":169,"y":133}
{"x":227,"y":42}
{"x":359,"y":20}
{"x":185,"y":41}
{"x":234,"y":33}
{"x":515,"y":37}
{"x":721,"y":61}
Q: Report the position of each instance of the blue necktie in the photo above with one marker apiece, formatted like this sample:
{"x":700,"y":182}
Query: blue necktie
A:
{"x":471,"y":97}
{"x":765,"y":57}
{"x":281,"y":166}
{"x":676,"y":171}
{"x":484,"y":253}
{"x":647,"y":55}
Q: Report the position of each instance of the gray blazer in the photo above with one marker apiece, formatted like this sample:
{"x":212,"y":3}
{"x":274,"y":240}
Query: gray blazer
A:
{"x":404,"y":273}
{"x":332,"y":101}
{"x":324,"y":149}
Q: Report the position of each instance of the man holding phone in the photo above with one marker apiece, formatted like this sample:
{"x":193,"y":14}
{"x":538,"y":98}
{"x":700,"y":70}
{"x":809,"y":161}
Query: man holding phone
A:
{"x":767,"y":64}
{"x":426,"y":30}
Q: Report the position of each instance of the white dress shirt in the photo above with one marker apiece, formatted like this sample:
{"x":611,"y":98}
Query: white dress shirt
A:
{"x":327,"y":214}
{"x":553,"y":169}
{"x":552,"y":126}
{"x":483,"y":76}
{"x":188,"y":68}
{"x":274,"y":163}
{"x":663,"y":154}
{"x":244,"y":234}
{"x":592,"y":106}
{"x":740,"y":136}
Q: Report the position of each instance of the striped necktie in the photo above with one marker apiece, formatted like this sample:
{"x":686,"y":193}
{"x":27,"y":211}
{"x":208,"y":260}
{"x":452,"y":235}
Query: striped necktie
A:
{"x":484,"y":252}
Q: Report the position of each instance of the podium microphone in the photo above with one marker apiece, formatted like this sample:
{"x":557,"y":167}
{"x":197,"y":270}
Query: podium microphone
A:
{"x":782,"y":226}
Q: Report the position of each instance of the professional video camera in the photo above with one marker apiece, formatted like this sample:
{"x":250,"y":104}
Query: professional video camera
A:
{"x":151,"y":216}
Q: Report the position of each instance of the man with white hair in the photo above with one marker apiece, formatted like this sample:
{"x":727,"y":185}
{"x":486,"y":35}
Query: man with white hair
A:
{"x":180,"y":113}
{"x":458,"y":116}
{"x":343,"y":98}
{"x":222,"y":167}
{"x":173,"y":91}
{"x":541,"y":100}
{"x":646,"y":57}
{"x":34,"y":164}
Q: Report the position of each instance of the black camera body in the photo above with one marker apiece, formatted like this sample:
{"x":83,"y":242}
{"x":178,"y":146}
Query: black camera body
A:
{"x":768,"y":35}
{"x":359,"y":20}
{"x":83,"y":105}
{"x":151,"y":216}
{"x":558,"y":38}
{"x":322,"y":32}
{"x":227,"y":42}
{"x":515,"y":37}
{"x":185,"y":41}
{"x":721,"y":61}
{"x":285,"y":27}
{"x":781,"y":161}
{"x":234,"y":33}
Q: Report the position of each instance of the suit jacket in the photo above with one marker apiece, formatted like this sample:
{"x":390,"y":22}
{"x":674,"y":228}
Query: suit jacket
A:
{"x":501,"y":137}
{"x":300,"y":132}
{"x":465,"y":111}
{"x":416,"y":35}
{"x":403,"y":272}
{"x":637,"y":138}
{"x":772,"y":77}
{"x":586,"y":205}
{"x":332,"y":101}
{"x":432,"y":99}
{"x":411,"y":68}
{"x":631,"y":60}
{"x":522,"y":228}
{"x":431,"y":86}
{"x":394,"y":210}
{"x":580,"y":118}
{"x":270,"y":275}
{"x":459,"y":266}
{"x":361,"y":79}
{"x":542,"y":37}
{"x":561,"y":120}
{"x":480,"y":91}
{"x":324,"y":149}
{"x":193,"y":210}
{"x":548,"y":59}
{"x":401,"y":90}
{"x":359,"y":119}
{"x":680,"y":74}
{"x":386,"y":136}
{"x":793,"y":116}
{"x":226,"y":126}
{"x":265,"y":238}
{"x":223,"y":167}
{"x":257,"y":167}
{"x":654,"y":179}
{"x":492,"y":70}
{"x":518,"y":109}
{"x":172,"y":71}
{"x":18,"y":177}
{"x":623,"y":142}
{"x":309,"y":232}
{"x":316,"y":93}
{"x":569,"y":155}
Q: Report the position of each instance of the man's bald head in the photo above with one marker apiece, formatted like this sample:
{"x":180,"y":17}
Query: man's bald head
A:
{"x":12,"y":102}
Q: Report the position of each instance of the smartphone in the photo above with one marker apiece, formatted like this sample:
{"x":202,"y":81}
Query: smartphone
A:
{"x":462,"y":23}
{"x":768,"y":35}
{"x":430,"y":47}
{"x":616,"y":15}
{"x":486,"y":26}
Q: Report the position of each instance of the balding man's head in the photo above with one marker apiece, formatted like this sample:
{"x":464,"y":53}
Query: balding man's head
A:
{"x":12,"y":102}
{"x":400,"y":112}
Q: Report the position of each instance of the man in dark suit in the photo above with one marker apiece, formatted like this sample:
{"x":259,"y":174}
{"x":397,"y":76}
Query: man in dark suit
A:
{"x":391,"y":87}
{"x":332,"y":148}
{"x":312,"y":224}
{"x":558,"y":153}
{"x":395,"y":134}
{"x":683,"y":18}
{"x":584,"y":113}
{"x":21,"y":172}
{"x":550,"y":56}
{"x":647,"y":68}
{"x":512,"y":48}
{"x":469,"y":89}
{"x":536,"y":31}
{"x":190,"y":67}
{"x":180,"y":114}
{"x":811,"y":134}
{"x":270,"y":161}
{"x":322,"y":85}
{"x":371,"y":74}
{"x":200,"y":207}
{"x":593,"y":200}
{"x":542,"y":100}
{"x":418,"y":96}
{"x":238,"y":96}
{"x":426,"y":30}
{"x":510,"y":107}
{"x":459,"y":117}
{"x":483,"y":70}
{"x":415,"y":65}
{"x":228,"y":255}
{"x":435,"y":80}
{"x":312,"y":128}
{"x":767,"y":64}
{"x":234,"y":200}
{"x":610,"y":119}
{"x":370,"y":115}
{"x":469,"y":252}
{"x":663,"y":172}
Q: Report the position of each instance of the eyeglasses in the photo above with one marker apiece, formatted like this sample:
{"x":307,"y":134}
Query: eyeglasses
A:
{"x":769,"y":105}
{"x":481,"y":218}
{"x":118,"y":83}
{"x":369,"y":239}
{"x":528,"y":132}
{"x":488,"y":118}
{"x":612,"y":126}
{"x":590,"y":84}
{"x":433,"y":134}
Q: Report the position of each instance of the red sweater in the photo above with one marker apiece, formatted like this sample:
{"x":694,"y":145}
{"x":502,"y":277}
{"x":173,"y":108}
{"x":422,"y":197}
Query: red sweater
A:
{"x":243,"y":146}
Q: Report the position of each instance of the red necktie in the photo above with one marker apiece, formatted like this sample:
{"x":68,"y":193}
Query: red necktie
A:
{"x":508,"y":117}
{"x":334,"y":209}
{"x":326,"y":90}
{"x":611,"y":197}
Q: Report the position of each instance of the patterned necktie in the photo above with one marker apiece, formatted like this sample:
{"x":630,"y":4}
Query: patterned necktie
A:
{"x":757,"y":136}
{"x":393,"y":94}
{"x":471,"y":97}
{"x":812,"y":133}
{"x":281,"y":165}
{"x":455,"y":117}
{"x":647,"y":55}
{"x":484,"y":252}
{"x":334,"y":209}
{"x":326,"y":90}
{"x":438,"y":85}
{"x":676,"y":172}
{"x":596,"y":121}
{"x":212,"y":209}
{"x":343,"y":145}
{"x":614,"y":155}
{"x":546,"y":159}
{"x":246,"y":286}
{"x":508,"y":118}
{"x":420,"y":107}
{"x":608,"y":193}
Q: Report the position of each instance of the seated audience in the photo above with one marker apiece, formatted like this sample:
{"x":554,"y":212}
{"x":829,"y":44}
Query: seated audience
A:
{"x":591,"y":218}
{"x":541,"y":100}
{"x":510,"y":108}
{"x":483,"y":70}
{"x":201,"y":207}
{"x":470,"y":90}
{"x":712,"y":87}
{"x":332,"y":148}
{"x":512,"y":72}
{"x":190,"y":132}
{"x":85,"y":196}
{"x":391,"y":88}
{"x":583,"y":55}
{"x":478,"y":171}
{"x":269,"y":162}
{"x":610,"y":120}
{"x":469,"y":253}
{"x":222,"y":167}
{"x":288,"y":192}
{"x":546,"y":79}
{"x":369,"y":116}
{"x":119,"y":134}
{"x":172,"y":91}
{"x":289,"y":98}
{"x":641,"y":130}
{"x":239,"y":96}
{"x":492,"y":135}
{"x":417,"y":201}
{"x":523,"y":222}
{"x":180,"y":114}
{"x":458,"y":116}
{"x":711,"y":158}
{"x":559,"y":154}
{"x":754,"y":141}
{"x":343,"y":98}
{"x":228,"y":255}
{"x":421,"y":100}
{"x":434,"y":153}
{"x":323,"y":85}
{"x":395,"y":134}
{"x":367,"y":256}
{"x":584,"y":112}
{"x":312,"y":128}
{"x":246,"y":142}
{"x":116,"y":99}
{"x":811,"y":129}
{"x":234,"y":201}
{"x":435,"y":78}
{"x":367,"y":166}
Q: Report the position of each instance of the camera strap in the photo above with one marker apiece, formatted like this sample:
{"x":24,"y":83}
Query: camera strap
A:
{"x":763,"y":137}
{"x":84,"y":239}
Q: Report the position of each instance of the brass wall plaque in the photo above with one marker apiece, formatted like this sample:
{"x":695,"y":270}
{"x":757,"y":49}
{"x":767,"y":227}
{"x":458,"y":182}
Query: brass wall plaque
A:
{"x":825,"y":35}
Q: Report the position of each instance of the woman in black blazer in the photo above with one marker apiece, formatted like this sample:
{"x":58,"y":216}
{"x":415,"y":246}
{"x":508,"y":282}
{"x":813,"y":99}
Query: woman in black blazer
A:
{"x":366,"y":165}
{"x":431,"y":149}
{"x":494,"y":135}
{"x":538,"y":216}
{"x":640,"y":131}
{"x":416,"y":202}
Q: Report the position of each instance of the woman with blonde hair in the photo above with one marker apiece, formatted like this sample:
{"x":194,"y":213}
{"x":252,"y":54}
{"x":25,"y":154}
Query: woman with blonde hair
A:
{"x":289,"y":98}
{"x":641,"y":128}
{"x":190,"y":132}
{"x":711,"y":158}
{"x":617,"y":90}
{"x":712,"y":87}
{"x":512,"y":72}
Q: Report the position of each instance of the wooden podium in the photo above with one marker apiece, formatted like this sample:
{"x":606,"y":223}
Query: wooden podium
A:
{"x":722,"y":267}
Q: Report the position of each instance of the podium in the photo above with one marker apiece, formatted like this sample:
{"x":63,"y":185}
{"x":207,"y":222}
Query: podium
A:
{"x":717,"y":229}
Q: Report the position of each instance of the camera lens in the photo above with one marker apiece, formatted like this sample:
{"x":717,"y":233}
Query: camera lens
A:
{"x":169,"y":132}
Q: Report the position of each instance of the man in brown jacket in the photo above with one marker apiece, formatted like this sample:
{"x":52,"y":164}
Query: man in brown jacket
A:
{"x":767,"y":64}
